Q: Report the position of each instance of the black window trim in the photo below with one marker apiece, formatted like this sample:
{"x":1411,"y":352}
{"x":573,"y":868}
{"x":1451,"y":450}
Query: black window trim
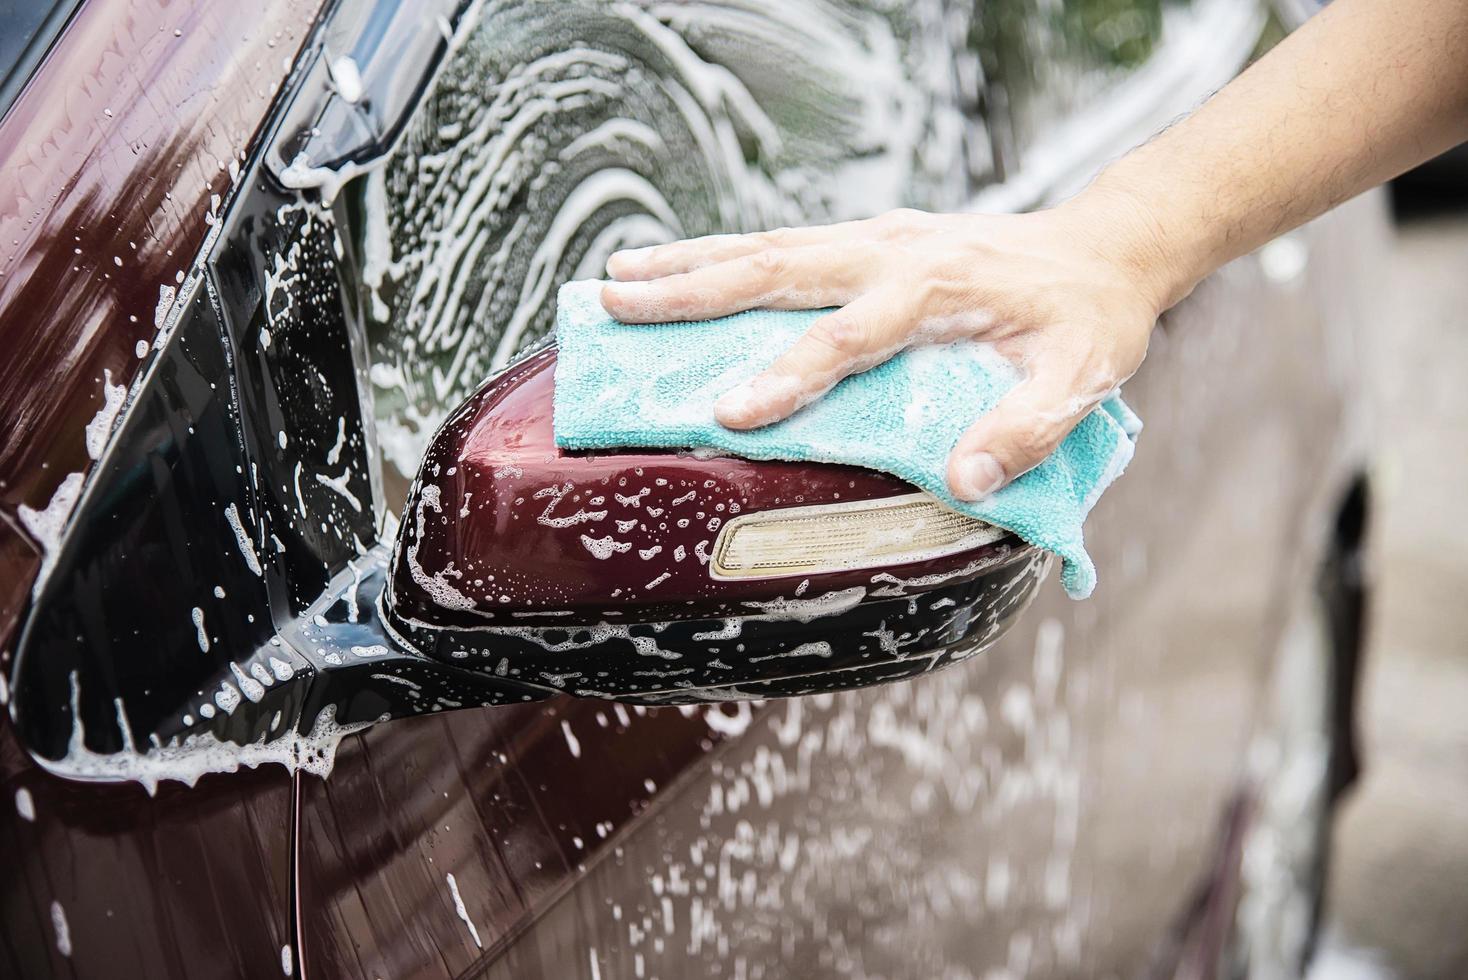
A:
{"x":14,"y":78}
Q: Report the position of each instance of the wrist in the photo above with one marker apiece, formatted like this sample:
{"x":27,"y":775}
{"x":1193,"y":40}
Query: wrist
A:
{"x":1129,"y":230}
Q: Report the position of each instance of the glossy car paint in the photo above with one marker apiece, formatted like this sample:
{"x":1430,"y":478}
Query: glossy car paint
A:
{"x":1013,"y":814}
{"x":114,"y":163}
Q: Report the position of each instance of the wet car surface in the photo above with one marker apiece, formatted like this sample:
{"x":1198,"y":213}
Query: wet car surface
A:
{"x":243,"y":288}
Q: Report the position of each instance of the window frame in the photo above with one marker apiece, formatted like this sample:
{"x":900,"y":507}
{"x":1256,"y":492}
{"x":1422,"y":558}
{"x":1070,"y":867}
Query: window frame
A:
{"x":44,"y":32}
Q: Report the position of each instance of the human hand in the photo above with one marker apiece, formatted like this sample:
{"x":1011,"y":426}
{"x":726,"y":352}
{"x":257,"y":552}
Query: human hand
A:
{"x":1068,"y":295}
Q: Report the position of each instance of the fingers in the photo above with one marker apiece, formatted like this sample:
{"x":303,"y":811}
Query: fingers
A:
{"x":657,"y":261}
{"x":785,"y":278}
{"x":850,"y":340}
{"x":1016,"y":435}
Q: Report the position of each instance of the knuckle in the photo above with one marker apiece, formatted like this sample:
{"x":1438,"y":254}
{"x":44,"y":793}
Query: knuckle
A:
{"x":898,"y":220}
{"x":1036,"y":439}
{"x":660,"y":254}
{"x":769,"y":264}
{"x":846,"y":336}
{"x":930,"y":293}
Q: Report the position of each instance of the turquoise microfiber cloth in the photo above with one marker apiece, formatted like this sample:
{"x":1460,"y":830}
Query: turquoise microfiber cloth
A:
{"x":624,"y":385}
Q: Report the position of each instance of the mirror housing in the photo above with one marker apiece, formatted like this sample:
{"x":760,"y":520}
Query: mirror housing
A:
{"x":660,"y":577}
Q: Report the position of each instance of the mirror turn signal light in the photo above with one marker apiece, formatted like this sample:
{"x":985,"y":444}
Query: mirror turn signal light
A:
{"x":842,"y":536}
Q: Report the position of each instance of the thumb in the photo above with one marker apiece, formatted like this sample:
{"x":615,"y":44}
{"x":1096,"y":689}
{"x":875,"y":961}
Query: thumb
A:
{"x":1015,"y":436}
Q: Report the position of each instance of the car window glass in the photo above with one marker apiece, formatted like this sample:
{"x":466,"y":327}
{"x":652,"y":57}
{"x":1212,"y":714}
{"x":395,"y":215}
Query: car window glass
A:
{"x":560,"y":131}
{"x":27,"y":28}
{"x":1047,"y":60}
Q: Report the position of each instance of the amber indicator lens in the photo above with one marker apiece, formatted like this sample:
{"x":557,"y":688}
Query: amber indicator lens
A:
{"x":836,"y":537}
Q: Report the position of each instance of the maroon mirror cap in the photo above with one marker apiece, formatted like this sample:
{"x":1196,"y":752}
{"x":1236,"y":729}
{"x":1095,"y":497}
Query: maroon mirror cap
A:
{"x":504,"y":526}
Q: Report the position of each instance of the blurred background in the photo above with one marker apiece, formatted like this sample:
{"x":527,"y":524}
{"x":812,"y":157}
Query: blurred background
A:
{"x":1398,"y":891}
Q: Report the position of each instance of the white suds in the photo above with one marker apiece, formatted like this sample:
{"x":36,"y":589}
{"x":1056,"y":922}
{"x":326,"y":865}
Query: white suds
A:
{"x":817,"y":648}
{"x":806,"y":610}
{"x":327,"y":182}
{"x":733,"y":725}
{"x":166,"y":295}
{"x":463,"y":912}
{"x":602,"y":548}
{"x":557,"y":494}
{"x":287,"y":960}
{"x":899,"y":586}
{"x":635,"y":500}
{"x":346,"y":78}
{"x":63,"y":931}
{"x":101,"y":425}
{"x":339,"y":484}
{"x":227,"y":697}
{"x":203,"y":636}
{"x":47,"y":524}
{"x":730,"y":630}
{"x":249,"y":686}
{"x":185,"y":761}
{"x":247,"y":547}
{"x":443,"y":592}
{"x":341,"y":440}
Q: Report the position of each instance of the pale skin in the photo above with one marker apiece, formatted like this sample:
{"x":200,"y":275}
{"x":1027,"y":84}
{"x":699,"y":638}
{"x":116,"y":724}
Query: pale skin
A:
{"x":1364,"y":91}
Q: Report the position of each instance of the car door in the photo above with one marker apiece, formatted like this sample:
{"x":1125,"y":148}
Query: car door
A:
{"x":1011,"y":817}
{"x":123,"y":127}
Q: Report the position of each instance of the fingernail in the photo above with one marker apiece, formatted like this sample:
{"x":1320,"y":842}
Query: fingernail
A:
{"x":736,"y":405}
{"x":977,"y":476}
{"x":626,"y":259}
{"x":636,"y":289}
{"x":627,"y":299}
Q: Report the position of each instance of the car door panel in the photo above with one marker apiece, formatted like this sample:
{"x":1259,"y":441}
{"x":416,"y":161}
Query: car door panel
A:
{"x":115,"y":158}
{"x":511,"y":802}
{"x":1249,"y":459}
{"x":117,"y":883}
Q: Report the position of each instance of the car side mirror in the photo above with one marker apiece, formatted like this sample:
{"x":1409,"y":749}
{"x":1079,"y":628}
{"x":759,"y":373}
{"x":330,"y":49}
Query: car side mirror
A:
{"x":672,"y":578}
{"x":519,"y":571}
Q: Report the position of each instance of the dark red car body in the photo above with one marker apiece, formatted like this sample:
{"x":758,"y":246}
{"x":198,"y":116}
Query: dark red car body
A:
{"x":572,"y":836}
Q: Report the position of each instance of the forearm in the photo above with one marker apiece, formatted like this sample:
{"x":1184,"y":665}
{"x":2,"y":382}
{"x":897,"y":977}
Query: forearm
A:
{"x":1365,"y":90}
